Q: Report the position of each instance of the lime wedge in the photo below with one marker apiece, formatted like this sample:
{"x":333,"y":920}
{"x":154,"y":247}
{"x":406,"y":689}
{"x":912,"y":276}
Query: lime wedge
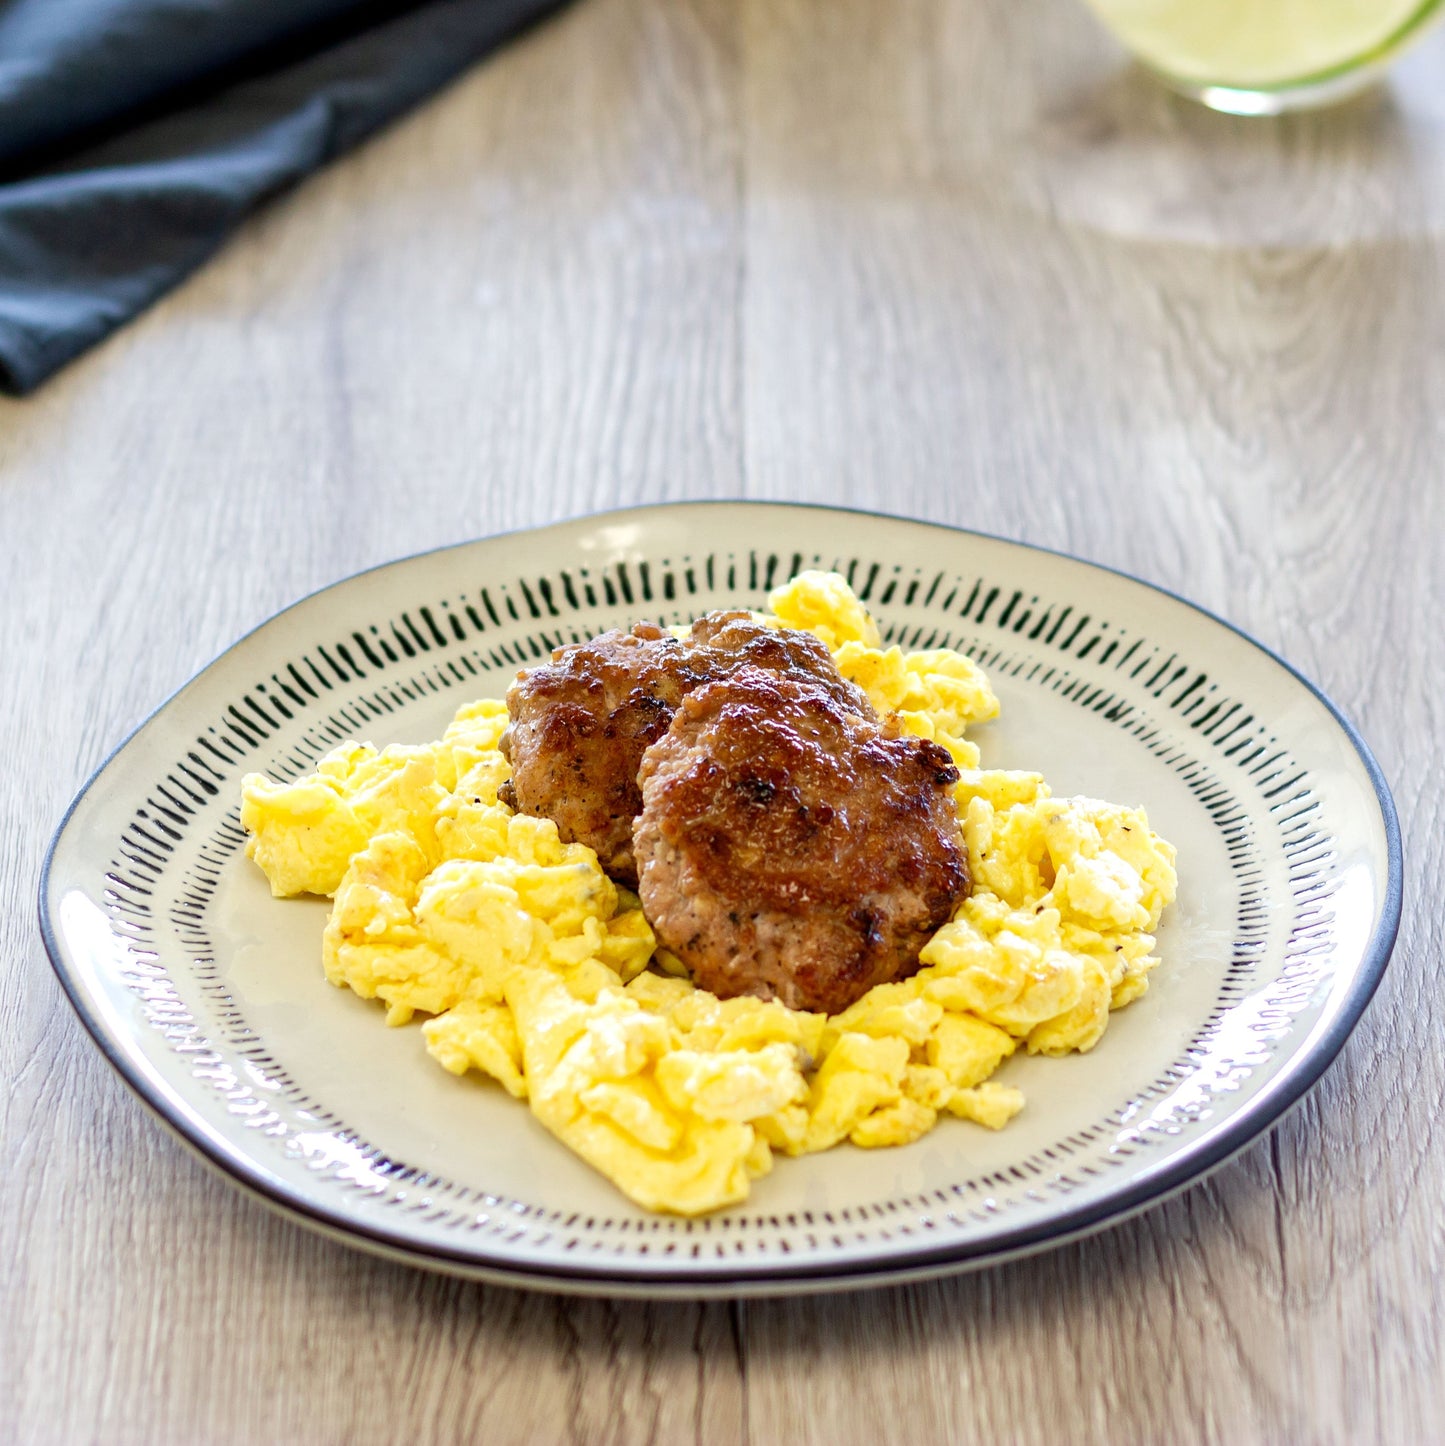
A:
{"x":1257,"y":42}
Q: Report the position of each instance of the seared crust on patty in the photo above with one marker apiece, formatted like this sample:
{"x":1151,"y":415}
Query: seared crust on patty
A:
{"x":792,"y":847}
{"x":581,"y":722}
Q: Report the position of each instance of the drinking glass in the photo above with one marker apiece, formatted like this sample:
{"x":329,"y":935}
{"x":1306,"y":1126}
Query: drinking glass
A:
{"x":1261,"y":57}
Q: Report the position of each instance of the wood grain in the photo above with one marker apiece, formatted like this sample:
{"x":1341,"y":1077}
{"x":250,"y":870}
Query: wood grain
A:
{"x":943,"y":257}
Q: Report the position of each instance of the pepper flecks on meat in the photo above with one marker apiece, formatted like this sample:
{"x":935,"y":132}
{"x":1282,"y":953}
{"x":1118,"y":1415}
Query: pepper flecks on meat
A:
{"x":581,"y":722}
{"x":791,"y":847}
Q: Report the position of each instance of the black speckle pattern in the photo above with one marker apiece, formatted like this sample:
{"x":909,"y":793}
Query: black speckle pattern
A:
{"x":169,"y":859}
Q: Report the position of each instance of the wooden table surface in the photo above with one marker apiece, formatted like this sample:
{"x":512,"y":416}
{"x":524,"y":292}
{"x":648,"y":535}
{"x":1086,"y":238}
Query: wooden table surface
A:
{"x":948,"y":258}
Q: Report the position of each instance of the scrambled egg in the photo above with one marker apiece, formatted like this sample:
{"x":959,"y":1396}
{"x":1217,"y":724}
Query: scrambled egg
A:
{"x":535,"y":969}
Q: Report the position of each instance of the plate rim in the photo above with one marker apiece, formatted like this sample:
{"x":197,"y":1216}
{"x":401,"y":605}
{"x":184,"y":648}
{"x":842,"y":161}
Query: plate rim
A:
{"x":1152,"y":1186}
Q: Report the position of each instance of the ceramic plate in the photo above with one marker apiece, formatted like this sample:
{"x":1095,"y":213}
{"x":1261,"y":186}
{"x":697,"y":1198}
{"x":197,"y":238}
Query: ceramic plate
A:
{"x":207,"y":995}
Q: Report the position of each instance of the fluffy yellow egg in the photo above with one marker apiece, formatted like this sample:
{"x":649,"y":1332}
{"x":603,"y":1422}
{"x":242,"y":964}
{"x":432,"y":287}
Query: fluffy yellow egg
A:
{"x":536,"y":970}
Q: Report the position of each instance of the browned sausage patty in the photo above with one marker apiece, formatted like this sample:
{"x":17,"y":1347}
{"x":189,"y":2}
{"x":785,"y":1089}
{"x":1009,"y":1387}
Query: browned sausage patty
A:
{"x":581,"y":722}
{"x":790,"y":847}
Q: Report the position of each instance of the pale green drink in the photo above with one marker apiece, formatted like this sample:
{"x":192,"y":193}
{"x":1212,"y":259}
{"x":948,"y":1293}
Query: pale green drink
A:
{"x":1263,"y":56}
